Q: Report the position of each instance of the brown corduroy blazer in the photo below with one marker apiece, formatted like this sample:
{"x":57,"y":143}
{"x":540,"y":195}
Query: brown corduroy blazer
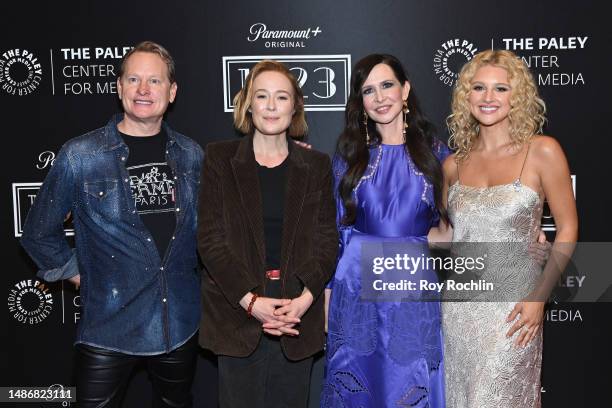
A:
{"x":232,"y":246}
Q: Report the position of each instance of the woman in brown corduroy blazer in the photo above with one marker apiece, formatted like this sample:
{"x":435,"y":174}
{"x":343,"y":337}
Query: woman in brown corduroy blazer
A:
{"x":265,"y":205}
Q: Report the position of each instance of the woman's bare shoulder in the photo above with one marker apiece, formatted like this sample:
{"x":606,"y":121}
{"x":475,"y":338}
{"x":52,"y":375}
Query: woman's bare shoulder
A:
{"x":449,"y":167}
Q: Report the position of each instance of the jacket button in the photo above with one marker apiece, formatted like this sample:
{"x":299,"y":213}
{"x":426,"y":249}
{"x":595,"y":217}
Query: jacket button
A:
{"x":164,"y":300}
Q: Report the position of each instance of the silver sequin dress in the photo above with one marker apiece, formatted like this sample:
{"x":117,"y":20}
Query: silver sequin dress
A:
{"x":483,"y":368}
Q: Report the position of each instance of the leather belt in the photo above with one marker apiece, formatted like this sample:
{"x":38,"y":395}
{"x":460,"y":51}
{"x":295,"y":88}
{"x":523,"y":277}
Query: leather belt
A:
{"x":273,"y":274}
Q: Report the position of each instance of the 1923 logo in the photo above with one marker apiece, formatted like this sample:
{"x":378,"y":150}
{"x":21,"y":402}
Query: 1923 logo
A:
{"x":324,"y":79}
{"x":24,"y":195}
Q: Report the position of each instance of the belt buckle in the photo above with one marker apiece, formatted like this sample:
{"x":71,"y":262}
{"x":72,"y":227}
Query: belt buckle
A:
{"x":273,"y":274}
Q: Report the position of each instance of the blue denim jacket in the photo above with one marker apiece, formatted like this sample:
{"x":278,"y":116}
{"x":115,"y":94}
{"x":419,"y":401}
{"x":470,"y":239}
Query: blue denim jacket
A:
{"x":133,"y":300}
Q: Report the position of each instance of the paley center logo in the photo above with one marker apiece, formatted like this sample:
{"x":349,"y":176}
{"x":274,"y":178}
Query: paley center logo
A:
{"x":29,"y":301}
{"x":450,"y":57}
{"x":24,"y":195}
{"x":281,"y":38}
{"x":86,"y":70}
{"x":324,"y":79}
{"x":20,"y":72}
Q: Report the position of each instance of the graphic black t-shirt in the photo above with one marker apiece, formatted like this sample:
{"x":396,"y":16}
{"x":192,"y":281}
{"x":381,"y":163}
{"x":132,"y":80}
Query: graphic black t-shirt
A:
{"x":152,"y":185}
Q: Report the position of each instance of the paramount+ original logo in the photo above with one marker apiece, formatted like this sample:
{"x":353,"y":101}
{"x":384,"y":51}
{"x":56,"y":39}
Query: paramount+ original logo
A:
{"x":283,"y":38}
{"x":20,"y":72}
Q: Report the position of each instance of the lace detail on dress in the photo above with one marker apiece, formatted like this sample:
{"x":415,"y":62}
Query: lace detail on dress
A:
{"x":439,"y":149}
{"x":371,"y":169}
{"x":416,"y":396}
{"x":418,"y":338}
{"x":349,"y":382}
{"x":483,"y":369}
{"x":358,"y":323}
{"x":341,"y":384}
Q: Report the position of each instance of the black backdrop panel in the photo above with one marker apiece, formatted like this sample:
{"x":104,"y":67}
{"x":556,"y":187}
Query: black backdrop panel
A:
{"x":57,"y":80}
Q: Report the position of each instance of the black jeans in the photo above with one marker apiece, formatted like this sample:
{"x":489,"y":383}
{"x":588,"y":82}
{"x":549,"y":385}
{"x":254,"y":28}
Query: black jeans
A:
{"x":102,"y":376}
{"x":266,"y":378}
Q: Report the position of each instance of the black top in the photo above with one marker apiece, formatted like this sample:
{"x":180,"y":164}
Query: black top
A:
{"x":152,"y":185}
{"x":272,"y":182}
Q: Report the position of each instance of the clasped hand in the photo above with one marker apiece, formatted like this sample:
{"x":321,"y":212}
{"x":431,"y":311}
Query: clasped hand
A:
{"x":280,"y":316}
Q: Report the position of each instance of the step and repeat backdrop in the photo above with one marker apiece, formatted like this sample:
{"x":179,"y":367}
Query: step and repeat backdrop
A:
{"x":58,"y":66}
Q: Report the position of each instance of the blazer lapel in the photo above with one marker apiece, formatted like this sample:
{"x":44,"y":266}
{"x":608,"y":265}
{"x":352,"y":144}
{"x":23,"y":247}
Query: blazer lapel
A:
{"x":244,"y":168}
{"x":295,"y":192}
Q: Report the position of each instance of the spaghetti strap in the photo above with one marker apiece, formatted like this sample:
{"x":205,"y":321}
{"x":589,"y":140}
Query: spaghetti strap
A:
{"x":457,"y":168}
{"x":524,"y":161}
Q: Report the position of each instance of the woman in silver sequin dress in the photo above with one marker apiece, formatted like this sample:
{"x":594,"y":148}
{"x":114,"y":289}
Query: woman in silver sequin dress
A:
{"x":496,"y":184}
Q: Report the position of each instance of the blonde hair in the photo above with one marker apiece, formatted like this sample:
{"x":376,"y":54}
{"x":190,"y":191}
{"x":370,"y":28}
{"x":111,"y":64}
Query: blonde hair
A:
{"x":527,"y":109}
{"x":153,"y":48}
{"x":243,"y":120}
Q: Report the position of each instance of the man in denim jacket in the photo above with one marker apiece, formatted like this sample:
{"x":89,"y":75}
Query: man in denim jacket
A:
{"x":131,"y":188}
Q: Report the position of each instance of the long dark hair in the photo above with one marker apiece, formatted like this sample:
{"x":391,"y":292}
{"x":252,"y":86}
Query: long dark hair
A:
{"x":352,"y":145}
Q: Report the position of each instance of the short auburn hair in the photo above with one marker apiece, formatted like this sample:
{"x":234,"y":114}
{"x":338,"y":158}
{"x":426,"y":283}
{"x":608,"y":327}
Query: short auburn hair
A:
{"x":243,"y":120}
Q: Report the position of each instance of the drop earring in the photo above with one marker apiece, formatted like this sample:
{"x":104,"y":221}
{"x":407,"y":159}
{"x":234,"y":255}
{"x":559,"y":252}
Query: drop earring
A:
{"x":405,"y":110}
{"x":365,"y":124}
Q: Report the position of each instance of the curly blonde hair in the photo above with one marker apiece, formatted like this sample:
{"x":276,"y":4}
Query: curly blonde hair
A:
{"x":527,"y":109}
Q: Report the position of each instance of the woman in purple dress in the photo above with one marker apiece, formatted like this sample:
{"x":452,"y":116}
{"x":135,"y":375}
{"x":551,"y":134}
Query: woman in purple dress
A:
{"x":388,"y":177}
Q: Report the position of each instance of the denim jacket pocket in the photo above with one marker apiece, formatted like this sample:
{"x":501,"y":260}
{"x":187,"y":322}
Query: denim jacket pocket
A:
{"x":101,"y":189}
{"x":102,"y":197}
